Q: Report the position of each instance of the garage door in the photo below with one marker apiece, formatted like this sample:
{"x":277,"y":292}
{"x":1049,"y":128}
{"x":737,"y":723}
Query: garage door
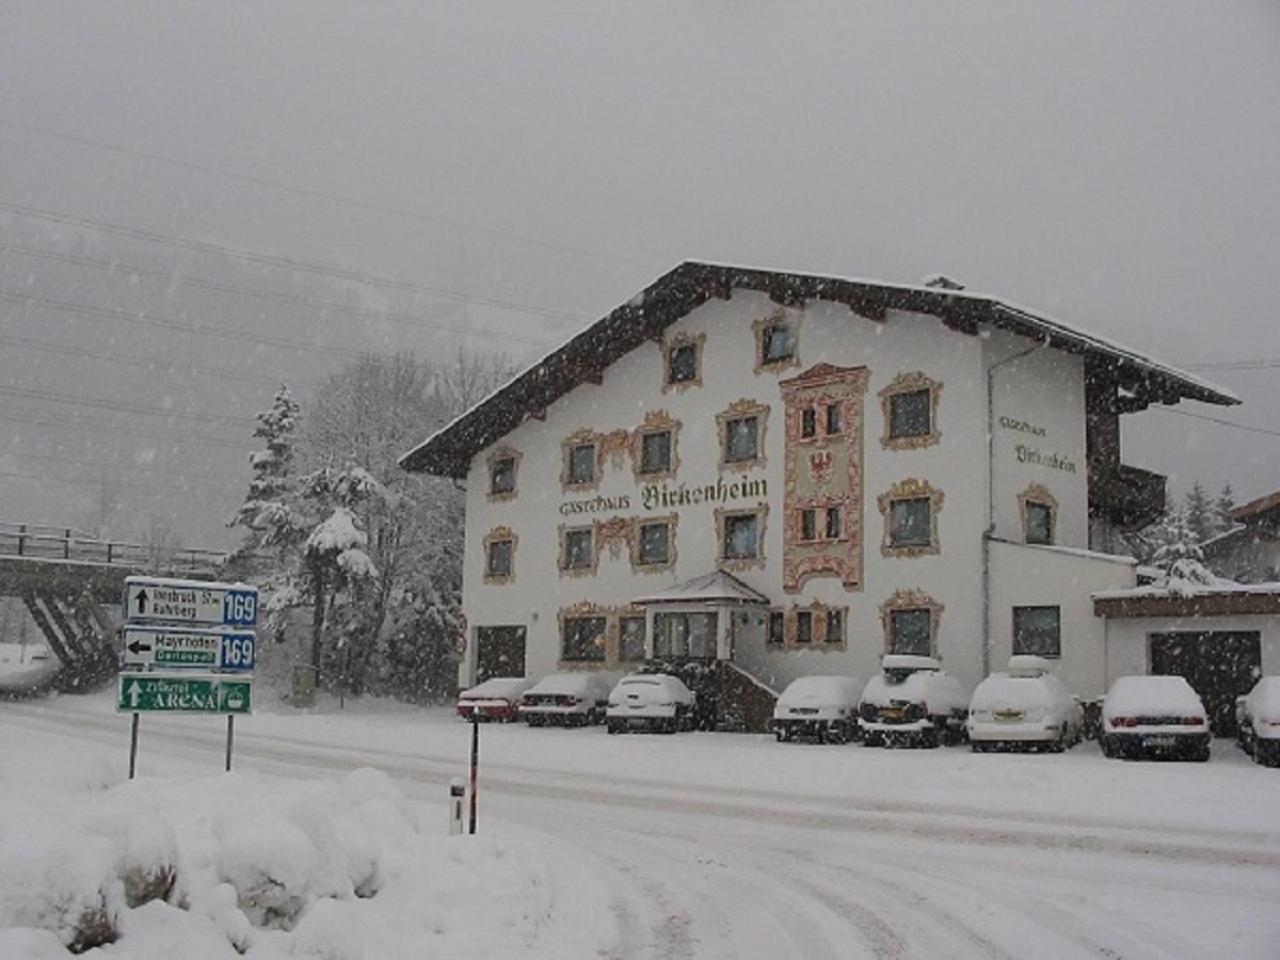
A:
{"x":1219,"y":665}
{"x":499,"y":652}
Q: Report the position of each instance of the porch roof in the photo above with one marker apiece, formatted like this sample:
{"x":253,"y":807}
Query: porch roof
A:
{"x":714,"y":587}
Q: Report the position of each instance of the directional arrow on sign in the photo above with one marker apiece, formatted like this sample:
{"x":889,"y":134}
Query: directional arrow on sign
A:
{"x":137,"y":646}
{"x":142,"y":601}
{"x":134,"y":691}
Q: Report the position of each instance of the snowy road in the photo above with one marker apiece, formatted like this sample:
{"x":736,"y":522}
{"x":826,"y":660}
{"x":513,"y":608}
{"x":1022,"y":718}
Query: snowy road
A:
{"x":726,"y":846}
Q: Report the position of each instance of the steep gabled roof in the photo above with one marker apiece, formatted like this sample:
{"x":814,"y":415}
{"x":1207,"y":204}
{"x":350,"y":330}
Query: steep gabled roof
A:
{"x":674,"y":295}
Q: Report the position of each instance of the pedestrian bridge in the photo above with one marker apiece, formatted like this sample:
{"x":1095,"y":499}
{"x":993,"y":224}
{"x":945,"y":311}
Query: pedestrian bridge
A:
{"x":73,"y":584}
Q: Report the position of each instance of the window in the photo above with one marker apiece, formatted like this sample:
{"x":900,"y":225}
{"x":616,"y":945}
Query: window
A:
{"x":911,"y":631}
{"x":1039,"y":523}
{"x":808,"y":423}
{"x":577,"y":551}
{"x":804,"y":626}
{"x":910,"y":405}
{"x":834,"y":424}
{"x":741,"y":537}
{"x":909,"y":415}
{"x":775,"y":627}
{"x":777,"y":342}
{"x":655,"y":543}
{"x":498,"y":559}
{"x":910,"y":509}
{"x":1039,"y":514}
{"x":682,"y":361}
{"x":910,"y":523}
{"x":741,"y":439}
{"x":631,"y":639}
{"x":685,"y":635}
{"x":582,"y":638}
{"x":502,"y":476}
{"x":655,"y":452}
{"x":808,"y":524}
{"x":833,"y":523}
{"x":582,"y":463}
{"x":1037,"y":631}
{"x":835,"y":627}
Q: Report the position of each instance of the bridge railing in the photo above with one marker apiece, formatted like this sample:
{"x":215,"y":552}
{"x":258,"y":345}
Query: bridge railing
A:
{"x":53,"y":543}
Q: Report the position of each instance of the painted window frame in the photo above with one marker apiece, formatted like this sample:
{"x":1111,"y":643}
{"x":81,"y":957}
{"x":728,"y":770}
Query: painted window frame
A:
{"x":497,"y":456}
{"x":655,"y":422}
{"x":669,"y":346}
{"x":907,"y":600}
{"x":671,"y":522}
{"x":723,"y":515}
{"x":740,"y":410}
{"x":915,"y":381}
{"x":1038,"y":496}
{"x":562,"y":561}
{"x":760,"y":329}
{"x":501,"y":534}
{"x":910,"y":489}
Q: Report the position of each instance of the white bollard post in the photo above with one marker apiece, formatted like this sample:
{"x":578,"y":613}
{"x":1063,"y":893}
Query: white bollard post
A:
{"x":457,"y":793}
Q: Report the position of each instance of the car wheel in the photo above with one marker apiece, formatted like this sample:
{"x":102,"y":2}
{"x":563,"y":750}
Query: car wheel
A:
{"x":1108,"y":748}
{"x":778,"y":736}
{"x":872,"y":740}
{"x":929,"y":738}
{"x":978,"y":746}
{"x":614,"y":727}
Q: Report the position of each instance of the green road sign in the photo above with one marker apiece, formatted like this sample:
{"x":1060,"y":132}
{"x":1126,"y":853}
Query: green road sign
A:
{"x":149,"y":693}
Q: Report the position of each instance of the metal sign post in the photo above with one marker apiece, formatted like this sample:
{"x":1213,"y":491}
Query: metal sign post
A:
{"x":475,"y":766}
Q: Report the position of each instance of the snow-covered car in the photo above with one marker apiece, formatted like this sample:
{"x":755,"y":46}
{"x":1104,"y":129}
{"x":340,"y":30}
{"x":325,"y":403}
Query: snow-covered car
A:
{"x":1154,"y":715}
{"x":1259,"y":719}
{"x":567,"y":699}
{"x":496,"y":699}
{"x":650,"y":701}
{"x":912,"y":701}
{"x":825,"y":708}
{"x":1025,"y":706}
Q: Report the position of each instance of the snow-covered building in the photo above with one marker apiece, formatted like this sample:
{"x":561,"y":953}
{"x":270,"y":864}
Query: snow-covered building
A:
{"x":796,"y":474}
{"x":1250,"y":551}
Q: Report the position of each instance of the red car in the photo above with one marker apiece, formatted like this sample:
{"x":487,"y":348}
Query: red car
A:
{"x":496,"y":699}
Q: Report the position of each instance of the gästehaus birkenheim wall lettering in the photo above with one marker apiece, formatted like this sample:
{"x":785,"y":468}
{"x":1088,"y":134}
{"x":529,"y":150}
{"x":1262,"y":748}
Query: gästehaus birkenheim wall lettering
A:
{"x":1034,"y":455}
{"x":664,"y":496}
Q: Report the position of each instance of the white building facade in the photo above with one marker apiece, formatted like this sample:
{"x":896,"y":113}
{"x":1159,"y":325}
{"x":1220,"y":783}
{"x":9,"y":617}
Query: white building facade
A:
{"x":799,"y":474}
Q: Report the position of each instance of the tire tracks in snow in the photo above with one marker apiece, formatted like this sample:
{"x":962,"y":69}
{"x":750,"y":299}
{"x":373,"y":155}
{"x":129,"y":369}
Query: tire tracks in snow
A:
{"x":942,"y":825}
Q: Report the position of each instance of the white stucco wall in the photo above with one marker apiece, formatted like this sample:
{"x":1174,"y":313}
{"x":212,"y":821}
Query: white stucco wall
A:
{"x":1128,"y":650}
{"x":1045,"y":389}
{"x":1038,"y":436}
{"x":1023,"y":575}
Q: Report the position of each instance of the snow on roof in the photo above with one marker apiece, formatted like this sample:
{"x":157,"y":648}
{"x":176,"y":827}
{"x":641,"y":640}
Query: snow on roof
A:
{"x":908,"y":661}
{"x":585,"y":356}
{"x":1255,"y":507}
{"x":1077,"y":552}
{"x":715,"y":587}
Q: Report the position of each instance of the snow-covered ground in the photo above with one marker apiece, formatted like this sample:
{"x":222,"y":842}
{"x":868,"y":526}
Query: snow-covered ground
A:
{"x":695,"y":845}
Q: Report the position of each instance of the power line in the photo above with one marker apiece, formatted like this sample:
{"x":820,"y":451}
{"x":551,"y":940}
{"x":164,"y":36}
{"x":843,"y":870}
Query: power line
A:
{"x":120,"y":406}
{"x":110,"y":468}
{"x":315,"y":194}
{"x":222,"y":373}
{"x":88,"y":481}
{"x":282,"y":262}
{"x":63,"y":424}
{"x":173,"y":326}
{"x":1219,"y":420}
{"x":115,"y":267}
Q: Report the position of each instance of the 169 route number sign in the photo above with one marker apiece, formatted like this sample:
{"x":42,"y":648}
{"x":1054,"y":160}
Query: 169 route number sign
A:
{"x":193,"y":602}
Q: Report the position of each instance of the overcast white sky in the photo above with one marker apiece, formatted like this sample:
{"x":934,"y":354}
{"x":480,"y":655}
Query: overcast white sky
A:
{"x":527,"y":166}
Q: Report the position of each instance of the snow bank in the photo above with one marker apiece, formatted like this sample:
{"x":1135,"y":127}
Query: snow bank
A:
{"x":246,"y":865}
